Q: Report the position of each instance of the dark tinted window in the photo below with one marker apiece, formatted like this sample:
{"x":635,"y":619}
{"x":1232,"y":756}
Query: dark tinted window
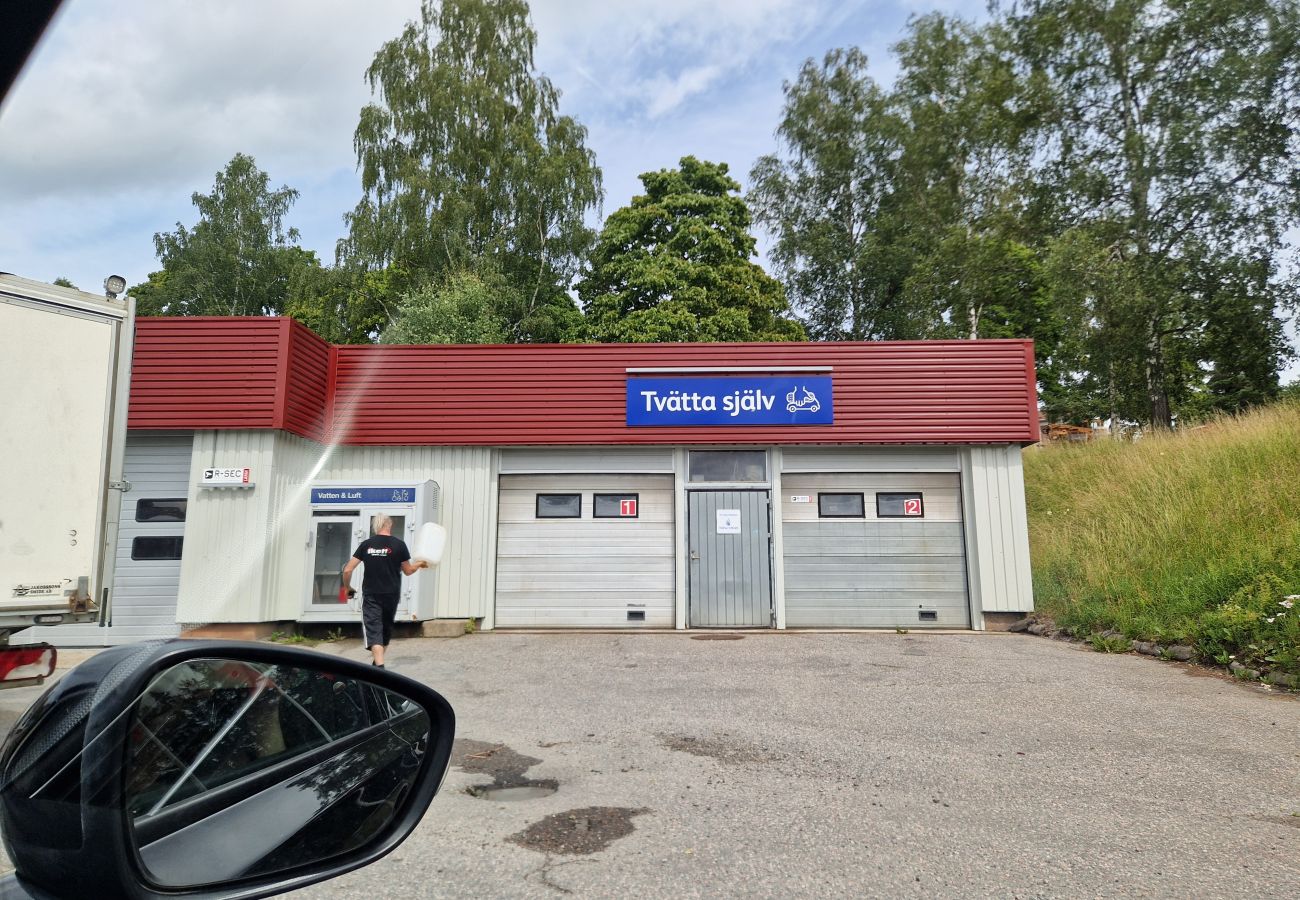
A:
{"x":156,"y":547}
{"x":167,"y":510}
{"x":728,"y":465}
{"x":616,"y":506}
{"x":559,"y":506}
{"x":900,"y":506}
{"x":841,"y":506}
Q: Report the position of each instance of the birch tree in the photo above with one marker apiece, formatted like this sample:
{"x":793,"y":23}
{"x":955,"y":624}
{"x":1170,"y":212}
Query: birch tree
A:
{"x":467,"y":165}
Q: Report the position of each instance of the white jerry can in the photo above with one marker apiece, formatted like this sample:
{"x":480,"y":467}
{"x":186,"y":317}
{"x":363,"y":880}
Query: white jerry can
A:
{"x":430,"y":543}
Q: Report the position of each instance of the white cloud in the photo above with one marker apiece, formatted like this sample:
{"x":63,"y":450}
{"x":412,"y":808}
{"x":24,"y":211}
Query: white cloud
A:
{"x":666,"y":94}
{"x":650,"y":57}
{"x":126,"y":96}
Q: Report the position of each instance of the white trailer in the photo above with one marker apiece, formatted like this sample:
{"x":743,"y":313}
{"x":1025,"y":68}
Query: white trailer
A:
{"x":65,"y":363}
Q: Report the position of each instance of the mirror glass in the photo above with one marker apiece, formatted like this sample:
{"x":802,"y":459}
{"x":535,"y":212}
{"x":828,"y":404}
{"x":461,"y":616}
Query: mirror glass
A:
{"x":238,"y":769}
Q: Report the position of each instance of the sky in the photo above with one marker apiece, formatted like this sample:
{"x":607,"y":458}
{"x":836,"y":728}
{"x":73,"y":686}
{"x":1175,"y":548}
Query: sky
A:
{"x":130,"y":106}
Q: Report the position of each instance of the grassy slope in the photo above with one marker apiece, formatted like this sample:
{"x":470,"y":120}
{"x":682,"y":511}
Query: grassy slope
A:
{"x":1192,"y":537}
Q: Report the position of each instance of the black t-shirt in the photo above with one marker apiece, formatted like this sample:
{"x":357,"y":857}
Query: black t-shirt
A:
{"x":383,"y":555}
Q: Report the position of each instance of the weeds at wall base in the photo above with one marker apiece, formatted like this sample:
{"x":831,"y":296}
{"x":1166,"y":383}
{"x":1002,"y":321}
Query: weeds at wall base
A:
{"x":1115,"y":643}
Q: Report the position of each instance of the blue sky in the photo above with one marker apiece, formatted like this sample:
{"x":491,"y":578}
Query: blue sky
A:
{"x":129,"y":106}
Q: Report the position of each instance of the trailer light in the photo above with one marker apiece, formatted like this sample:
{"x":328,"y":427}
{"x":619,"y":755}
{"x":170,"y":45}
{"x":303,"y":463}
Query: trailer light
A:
{"x":49,"y":619}
{"x":23,"y":663}
{"x":114,"y":285}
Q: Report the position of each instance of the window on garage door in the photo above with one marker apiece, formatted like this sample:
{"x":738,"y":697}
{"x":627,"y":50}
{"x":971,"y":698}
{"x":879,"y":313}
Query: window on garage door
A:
{"x":168,"y":547}
{"x":171,"y":509}
{"x":900,"y":506}
{"x":615,"y":506}
{"x":559,"y":506}
{"x":841,"y":506}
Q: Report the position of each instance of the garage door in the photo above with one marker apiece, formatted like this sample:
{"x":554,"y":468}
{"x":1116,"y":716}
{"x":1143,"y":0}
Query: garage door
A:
{"x":149,"y":541}
{"x":874,"y":551}
{"x":585,"y":551}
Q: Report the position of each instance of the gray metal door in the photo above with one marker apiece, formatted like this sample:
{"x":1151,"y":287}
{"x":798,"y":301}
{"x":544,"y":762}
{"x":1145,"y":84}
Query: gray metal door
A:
{"x":729,"y":535}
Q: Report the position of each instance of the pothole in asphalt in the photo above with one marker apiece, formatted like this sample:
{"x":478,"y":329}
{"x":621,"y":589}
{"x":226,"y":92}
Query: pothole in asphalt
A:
{"x":723,"y":748}
{"x":505,"y":766}
{"x":530,"y":790}
{"x":718,"y":637}
{"x":578,"y":831}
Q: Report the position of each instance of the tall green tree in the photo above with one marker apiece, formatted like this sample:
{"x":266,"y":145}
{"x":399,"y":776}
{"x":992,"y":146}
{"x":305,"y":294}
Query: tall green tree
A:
{"x":468,"y":165}
{"x":1174,"y":137}
{"x":343,"y":304}
{"x":871,"y":186}
{"x":237,"y":260}
{"x":461,"y":310}
{"x":828,"y":201}
{"x":676,"y":264}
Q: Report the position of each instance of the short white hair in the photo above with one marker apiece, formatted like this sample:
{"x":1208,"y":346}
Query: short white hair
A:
{"x":381,"y":522}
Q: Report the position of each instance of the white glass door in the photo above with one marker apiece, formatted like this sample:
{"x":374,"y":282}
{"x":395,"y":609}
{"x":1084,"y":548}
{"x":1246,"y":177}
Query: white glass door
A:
{"x":333,"y":540}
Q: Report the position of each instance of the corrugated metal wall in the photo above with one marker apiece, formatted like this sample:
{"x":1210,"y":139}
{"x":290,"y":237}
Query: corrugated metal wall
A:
{"x":306,"y":380}
{"x":246,"y":559}
{"x":997,"y":531}
{"x":538,"y":460}
{"x":467,"y":499}
{"x":886,"y":392}
{"x":238,"y":372}
{"x":288,"y":487}
{"x":227,"y":540}
{"x":253,"y":372}
{"x":871,"y":459}
{"x":585,"y":571}
{"x":206,"y":373}
{"x":872,"y":572}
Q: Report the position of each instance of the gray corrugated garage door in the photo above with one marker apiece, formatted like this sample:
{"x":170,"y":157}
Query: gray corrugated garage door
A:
{"x":147,"y":578}
{"x":572,"y":553}
{"x":874,"y":551}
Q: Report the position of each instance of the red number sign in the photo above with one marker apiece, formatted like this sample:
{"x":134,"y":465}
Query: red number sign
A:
{"x":627,"y":508}
{"x":912,"y":506}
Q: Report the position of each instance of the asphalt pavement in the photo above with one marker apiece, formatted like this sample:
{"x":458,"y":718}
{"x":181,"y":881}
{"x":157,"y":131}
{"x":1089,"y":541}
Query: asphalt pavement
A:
{"x":846,"y":765}
{"x":840,"y":765}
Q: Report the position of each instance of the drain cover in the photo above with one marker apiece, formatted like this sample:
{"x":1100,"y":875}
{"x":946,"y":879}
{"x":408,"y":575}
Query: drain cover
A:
{"x":718,"y":637}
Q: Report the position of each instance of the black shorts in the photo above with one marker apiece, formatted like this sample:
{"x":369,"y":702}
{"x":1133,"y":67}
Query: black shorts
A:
{"x":377,"y":612}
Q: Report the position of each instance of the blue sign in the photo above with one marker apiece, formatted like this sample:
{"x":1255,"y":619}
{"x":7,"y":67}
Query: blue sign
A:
{"x":730,"y":400}
{"x":363,"y":495}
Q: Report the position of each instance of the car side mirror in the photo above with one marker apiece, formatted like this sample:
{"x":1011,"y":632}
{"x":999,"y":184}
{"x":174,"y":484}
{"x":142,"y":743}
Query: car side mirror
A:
{"x":216,"y":769}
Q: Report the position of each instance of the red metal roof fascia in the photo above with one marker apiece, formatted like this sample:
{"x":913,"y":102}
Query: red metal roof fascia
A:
{"x":306,"y":384}
{"x":1031,"y":381}
{"x":479,"y":390}
{"x":216,"y":372}
{"x":330,"y":428}
{"x":204,"y":372}
{"x":283,"y":352}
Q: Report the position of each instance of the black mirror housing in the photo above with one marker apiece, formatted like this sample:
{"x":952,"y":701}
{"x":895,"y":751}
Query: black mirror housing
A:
{"x":63,"y":775}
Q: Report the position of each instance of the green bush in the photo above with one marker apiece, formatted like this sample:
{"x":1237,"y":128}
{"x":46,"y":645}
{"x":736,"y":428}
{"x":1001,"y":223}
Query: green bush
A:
{"x":1258,"y":626}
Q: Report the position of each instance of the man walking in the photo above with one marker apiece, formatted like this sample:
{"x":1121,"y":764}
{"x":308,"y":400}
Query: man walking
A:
{"x":386,"y":559}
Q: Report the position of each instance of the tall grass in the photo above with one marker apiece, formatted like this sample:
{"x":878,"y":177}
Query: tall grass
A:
{"x":1168,"y":538}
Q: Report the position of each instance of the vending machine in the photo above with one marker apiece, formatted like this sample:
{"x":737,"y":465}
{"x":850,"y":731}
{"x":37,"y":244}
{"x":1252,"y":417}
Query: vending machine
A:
{"x":341,"y":514}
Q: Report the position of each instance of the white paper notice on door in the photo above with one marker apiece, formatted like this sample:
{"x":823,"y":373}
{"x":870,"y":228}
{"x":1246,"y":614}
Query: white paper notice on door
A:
{"x":728,"y":521}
